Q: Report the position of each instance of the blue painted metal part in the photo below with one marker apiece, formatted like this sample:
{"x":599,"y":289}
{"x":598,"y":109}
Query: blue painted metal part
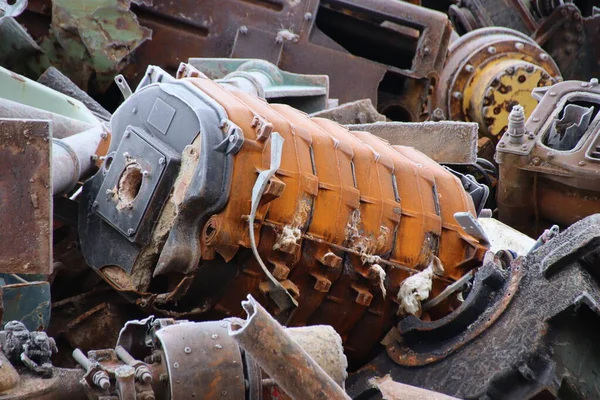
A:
{"x":25,"y":301}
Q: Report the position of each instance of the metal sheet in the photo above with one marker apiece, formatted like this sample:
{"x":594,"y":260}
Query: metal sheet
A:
{"x":450,"y":142}
{"x":25,"y":197}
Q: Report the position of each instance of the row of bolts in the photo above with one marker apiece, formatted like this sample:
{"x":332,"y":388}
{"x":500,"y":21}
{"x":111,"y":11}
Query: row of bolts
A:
{"x":100,"y":377}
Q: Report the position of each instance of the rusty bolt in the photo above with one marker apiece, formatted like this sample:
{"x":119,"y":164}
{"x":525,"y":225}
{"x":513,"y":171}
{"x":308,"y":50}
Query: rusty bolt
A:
{"x":510,"y":70}
{"x":364,"y":298}
{"x":243,"y":29}
{"x":457,"y":95}
{"x":519,"y":46}
{"x":491,"y":50}
{"x":308,"y":16}
{"x":331,"y":260}
{"x":322,"y":285}
{"x":214,"y":336}
{"x":535,"y":161}
{"x":582,"y":163}
{"x":469,"y":68}
{"x":544,"y":57}
{"x":529,"y":68}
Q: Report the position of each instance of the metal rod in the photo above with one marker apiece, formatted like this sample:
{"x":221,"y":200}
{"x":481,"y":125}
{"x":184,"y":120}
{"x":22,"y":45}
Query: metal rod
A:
{"x":281,"y":357}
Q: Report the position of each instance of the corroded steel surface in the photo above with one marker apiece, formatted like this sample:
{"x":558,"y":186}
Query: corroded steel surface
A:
{"x":26,"y":197}
{"x":488,"y":71}
{"x":341,"y":203}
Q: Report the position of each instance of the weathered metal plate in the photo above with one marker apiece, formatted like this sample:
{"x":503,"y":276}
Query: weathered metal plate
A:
{"x":25,"y":197}
{"x":445,"y":141}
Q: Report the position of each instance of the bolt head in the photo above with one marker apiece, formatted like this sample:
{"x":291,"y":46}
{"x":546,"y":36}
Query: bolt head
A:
{"x":130,"y":232}
{"x":308,"y":16}
{"x":544,"y":57}
{"x":162,"y":161}
{"x":491,"y":50}
{"x":243,"y":29}
{"x":519,"y":46}
{"x":187,"y":350}
{"x":501,"y":144}
{"x":457,"y":95}
{"x":582,"y":163}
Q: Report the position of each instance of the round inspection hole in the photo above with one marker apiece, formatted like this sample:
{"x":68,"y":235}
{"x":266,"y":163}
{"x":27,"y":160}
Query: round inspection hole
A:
{"x":130,"y":183}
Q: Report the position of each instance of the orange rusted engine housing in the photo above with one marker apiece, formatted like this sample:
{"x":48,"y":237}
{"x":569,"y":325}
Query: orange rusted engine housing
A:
{"x":354,"y":199}
{"x":343,"y":210}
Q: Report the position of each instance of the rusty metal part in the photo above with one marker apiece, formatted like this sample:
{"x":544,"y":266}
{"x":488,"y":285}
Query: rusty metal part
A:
{"x":64,"y":384}
{"x":394,"y":211}
{"x":356,"y":112}
{"x":282,"y":358}
{"x":395,"y":50}
{"x":492,"y":292}
{"x":543,"y":344}
{"x":570,"y":38}
{"x":391,"y":390}
{"x":487,"y":72}
{"x":191,"y":354}
{"x":469,"y":15}
{"x":27,"y":193}
{"x":455,"y":142}
{"x":543,"y":182}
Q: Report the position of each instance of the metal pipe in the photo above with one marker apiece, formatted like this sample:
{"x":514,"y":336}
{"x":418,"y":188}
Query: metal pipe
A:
{"x":62,"y":126}
{"x":72,"y":158}
{"x":281,"y":357}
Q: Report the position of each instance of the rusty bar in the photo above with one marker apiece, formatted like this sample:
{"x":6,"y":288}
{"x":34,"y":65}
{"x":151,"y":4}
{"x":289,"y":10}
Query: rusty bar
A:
{"x":26,"y":197}
{"x":281,"y":357}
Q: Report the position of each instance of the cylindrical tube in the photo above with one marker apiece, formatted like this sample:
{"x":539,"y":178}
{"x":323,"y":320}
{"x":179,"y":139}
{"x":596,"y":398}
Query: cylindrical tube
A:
{"x":72,"y":158}
{"x":62,"y":126}
{"x":281,"y":357}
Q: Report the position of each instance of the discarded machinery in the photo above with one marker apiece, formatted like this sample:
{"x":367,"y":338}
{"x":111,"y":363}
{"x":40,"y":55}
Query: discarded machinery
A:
{"x":526,"y":330}
{"x":549,"y":164}
{"x":487,"y":72}
{"x":340,"y":219}
{"x":165,"y":359}
{"x":393,"y":49}
{"x":567,"y":30}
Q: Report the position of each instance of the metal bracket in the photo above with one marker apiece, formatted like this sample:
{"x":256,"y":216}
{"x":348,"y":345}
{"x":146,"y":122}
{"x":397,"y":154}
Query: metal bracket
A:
{"x":277,"y":292}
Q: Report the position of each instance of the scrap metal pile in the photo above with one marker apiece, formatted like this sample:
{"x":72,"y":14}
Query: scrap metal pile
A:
{"x":320,"y":199}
